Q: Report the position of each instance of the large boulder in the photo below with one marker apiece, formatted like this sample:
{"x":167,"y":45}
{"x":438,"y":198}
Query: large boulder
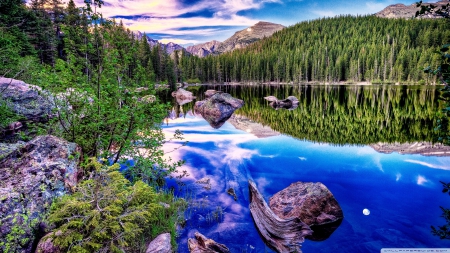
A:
{"x":161,"y":244}
{"x":201,"y":244}
{"x":218,"y":108}
{"x":31,"y":177}
{"x":26,"y":100}
{"x":312,"y":203}
{"x":282,"y":235}
{"x":46,"y":245}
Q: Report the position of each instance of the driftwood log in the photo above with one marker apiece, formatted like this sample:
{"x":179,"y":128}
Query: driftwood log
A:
{"x":282,"y":235}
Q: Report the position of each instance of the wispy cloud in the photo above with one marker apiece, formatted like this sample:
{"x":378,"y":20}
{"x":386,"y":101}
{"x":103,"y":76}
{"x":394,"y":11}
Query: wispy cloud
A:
{"x":167,"y":16}
{"x":421,"y":180}
{"x":429,"y":165}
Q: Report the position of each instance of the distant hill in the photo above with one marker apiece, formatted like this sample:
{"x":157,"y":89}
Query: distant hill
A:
{"x":403,"y":11}
{"x":205,"y":49}
{"x":243,"y":38}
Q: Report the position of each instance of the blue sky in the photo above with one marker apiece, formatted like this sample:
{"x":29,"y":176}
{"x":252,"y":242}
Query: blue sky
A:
{"x":196,"y":21}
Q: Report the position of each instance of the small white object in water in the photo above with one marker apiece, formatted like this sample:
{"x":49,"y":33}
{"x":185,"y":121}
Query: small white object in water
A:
{"x":366,"y":211}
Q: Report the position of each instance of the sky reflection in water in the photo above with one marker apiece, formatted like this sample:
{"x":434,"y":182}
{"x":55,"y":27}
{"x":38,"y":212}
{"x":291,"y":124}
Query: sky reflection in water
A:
{"x":402,"y":192}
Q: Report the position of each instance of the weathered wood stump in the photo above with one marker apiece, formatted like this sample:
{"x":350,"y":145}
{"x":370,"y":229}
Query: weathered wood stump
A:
{"x":282,"y":235}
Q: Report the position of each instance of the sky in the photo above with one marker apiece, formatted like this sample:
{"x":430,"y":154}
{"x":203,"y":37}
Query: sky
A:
{"x":188,"y":22}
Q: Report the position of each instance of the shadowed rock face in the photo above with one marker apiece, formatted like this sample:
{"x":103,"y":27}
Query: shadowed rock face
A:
{"x":204,"y":49}
{"x":31,"y":176}
{"x":312,"y":203}
{"x":201,"y":244}
{"x":218,"y":108}
{"x":282,"y":235}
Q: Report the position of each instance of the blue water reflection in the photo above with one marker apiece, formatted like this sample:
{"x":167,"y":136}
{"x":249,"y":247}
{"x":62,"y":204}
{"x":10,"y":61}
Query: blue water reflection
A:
{"x":402,"y":192}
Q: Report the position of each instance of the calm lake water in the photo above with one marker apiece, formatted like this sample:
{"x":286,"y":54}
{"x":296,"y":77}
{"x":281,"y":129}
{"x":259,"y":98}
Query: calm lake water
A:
{"x":329,"y":138}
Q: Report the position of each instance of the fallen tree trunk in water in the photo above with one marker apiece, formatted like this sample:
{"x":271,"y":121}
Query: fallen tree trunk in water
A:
{"x":282,"y":235}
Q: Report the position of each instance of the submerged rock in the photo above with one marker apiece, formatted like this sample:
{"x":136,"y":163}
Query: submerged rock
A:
{"x":161,"y":244}
{"x":31,"y":176}
{"x":282,"y":235}
{"x":201,"y":244}
{"x":290,"y":103}
{"x":218,"y":108}
{"x":313,"y":204}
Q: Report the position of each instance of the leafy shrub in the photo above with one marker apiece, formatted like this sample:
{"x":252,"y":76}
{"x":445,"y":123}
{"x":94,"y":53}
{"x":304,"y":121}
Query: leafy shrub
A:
{"x":107,"y":213}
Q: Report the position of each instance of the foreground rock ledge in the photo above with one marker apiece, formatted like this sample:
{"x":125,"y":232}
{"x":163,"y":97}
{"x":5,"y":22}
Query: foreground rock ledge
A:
{"x":312,"y":203}
{"x":31,"y":176}
{"x":201,"y":244}
{"x":282,"y":235}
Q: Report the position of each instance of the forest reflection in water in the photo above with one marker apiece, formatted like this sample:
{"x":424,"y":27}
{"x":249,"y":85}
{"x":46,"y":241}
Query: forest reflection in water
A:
{"x":348,"y":118}
{"x":339,"y":114}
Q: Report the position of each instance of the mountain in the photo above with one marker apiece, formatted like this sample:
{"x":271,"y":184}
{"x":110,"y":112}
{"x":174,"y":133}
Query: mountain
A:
{"x":170,"y":47}
{"x":205,"y":49}
{"x":403,"y":11}
{"x":249,"y":35}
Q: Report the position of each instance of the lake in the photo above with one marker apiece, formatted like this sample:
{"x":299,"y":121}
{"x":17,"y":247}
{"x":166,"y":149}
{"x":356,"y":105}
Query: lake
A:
{"x":371,"y":146}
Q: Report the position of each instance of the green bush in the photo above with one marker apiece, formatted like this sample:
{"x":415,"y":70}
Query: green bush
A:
{"x":193,"y":80}
{"x":107,"y":213}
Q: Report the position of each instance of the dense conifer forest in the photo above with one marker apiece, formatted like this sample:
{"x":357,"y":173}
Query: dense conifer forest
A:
{"x":344,"y":48}
{"x":46,"y":31}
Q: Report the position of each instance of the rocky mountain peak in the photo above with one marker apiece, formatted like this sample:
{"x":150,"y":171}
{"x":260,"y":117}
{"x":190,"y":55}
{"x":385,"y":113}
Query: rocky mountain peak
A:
{"x":249,"y":35}
{"x":204,"y":49}
{"x":405,"y":11}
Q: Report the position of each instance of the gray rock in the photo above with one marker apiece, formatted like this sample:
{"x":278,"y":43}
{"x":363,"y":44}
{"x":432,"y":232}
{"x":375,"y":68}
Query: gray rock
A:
{"x":46,"y":245}
{"x":312,"y":203}
{"x":161,"y":244}
{"x":201,"y":244}
{"x":218,"y":108}
{"x":26,"y":100}
{"x":31,"y":176}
